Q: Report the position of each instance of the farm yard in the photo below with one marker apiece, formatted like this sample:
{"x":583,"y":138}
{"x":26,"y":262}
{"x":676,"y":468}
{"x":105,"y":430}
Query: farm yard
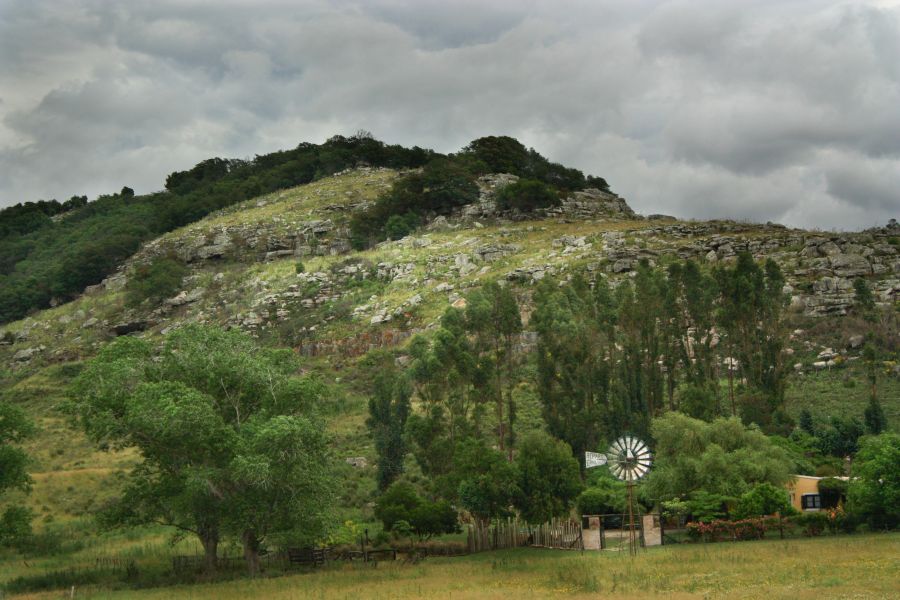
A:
{"x":857,"y":566}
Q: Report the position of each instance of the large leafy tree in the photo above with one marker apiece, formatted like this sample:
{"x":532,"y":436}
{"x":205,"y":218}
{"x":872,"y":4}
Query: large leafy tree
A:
{"x":874,"y":491}
{"x":228,"y":435}
{"x":488,"y":484}
{"x":723,"y":458}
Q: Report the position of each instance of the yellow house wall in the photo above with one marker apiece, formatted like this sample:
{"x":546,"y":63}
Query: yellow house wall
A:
{"x":800,"y":485}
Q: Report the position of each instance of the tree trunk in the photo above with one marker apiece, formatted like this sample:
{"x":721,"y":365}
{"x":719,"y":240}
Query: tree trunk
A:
{"x":251,"y":551}
{"x":209,"y":537}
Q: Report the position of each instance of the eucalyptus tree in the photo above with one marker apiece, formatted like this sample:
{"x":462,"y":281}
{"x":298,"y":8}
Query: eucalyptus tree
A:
{"x":493,"y":319}
{"x":690,"y":313}
{"x":751,"y":311}
{"x":575,"y":324}
{"x":389,"y":409}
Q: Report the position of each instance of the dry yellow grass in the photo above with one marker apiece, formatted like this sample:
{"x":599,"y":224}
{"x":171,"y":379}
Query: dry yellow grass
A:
{"x":861,"y":566}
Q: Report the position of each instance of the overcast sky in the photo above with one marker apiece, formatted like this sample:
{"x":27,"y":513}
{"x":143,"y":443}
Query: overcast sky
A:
{"x":776,"y":110}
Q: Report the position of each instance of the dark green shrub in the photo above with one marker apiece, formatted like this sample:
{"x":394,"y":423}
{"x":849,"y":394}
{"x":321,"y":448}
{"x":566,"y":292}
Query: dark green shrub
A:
{"x":763,"y":500}
{"x":397,"y":504}
{"x":527,"y":195}
{"x":398,"y":227}
{"x":813,"y":523}
{"x":299,"y":267}
{"x":155,"y":282}
{"x":402,"y":507}
{"x":605,"y":500}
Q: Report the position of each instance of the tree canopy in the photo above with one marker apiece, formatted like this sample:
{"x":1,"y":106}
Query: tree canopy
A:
{"x":228,"y":434}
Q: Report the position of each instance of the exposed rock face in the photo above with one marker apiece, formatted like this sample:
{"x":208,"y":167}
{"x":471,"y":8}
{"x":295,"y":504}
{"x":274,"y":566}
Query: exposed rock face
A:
{"x":590,"y":203}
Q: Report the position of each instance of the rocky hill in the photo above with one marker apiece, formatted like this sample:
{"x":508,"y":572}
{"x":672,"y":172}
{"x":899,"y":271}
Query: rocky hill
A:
{"x":281,"y":267}
{"x":244,"y":270}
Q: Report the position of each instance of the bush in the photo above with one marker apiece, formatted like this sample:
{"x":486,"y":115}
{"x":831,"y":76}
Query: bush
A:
{"x":401,"y":508}
{"x":698,"y":402}
{"x":155,"y":282}
{"x":743,"y":529}
{"x":813,"y":523}
{"x":602,"y":500}
{"x":15,"y":527}
{"x":397,"y":504}
{"x":764,"y":499}
{"x":299,"y":267}
{"x":398,"y":227}
{"x":527,"y":195}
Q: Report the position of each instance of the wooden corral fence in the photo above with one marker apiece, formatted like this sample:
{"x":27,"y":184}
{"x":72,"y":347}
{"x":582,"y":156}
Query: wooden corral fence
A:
{"x":563,"y":534}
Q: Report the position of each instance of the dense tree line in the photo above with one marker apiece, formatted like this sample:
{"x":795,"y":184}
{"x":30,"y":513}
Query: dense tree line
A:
{"x":42,"y":258}
{"x":448,"y":182}
{"x":608,"y":361}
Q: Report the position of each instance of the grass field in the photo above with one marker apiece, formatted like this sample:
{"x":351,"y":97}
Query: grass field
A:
{"x":859,"y":566}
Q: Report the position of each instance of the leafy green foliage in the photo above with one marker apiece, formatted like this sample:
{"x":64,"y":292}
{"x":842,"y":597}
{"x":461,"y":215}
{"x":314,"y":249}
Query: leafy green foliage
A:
{"x":448,"y":182}
{"x":442,"y":185}
{"x":401,"y":507}
{"x":489,"y":484}
{"x":762,"y":500}
{"x":874,"y":492}
{"x":527,"y":195}
{"x":492,"y":318}
{"x":575,"y":338}
{"x":503,"y":154}
{"x":723,"y":457}
{"x":752,"y":313}
{"x":605,"y":496}
{"x":698,"y":402}
{"x":389,"y":408}
{"x":15,"y":522}
{"x":228,"y":436}
{"x":841,"y":438}
{"x":862,"y":293}
{"x":155,"y":282}
{"x":549,"y":477}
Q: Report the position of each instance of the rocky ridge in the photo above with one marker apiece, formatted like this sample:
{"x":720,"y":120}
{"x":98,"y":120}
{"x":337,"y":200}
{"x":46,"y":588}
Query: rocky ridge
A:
{"x":244,"y":270}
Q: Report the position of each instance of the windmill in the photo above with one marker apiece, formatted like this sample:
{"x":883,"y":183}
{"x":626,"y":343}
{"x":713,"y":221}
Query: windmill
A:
{"x":629,"y":459}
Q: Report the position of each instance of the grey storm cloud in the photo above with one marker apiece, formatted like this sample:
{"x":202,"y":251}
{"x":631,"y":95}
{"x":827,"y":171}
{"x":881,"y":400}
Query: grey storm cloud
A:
{"x":761,"y":110}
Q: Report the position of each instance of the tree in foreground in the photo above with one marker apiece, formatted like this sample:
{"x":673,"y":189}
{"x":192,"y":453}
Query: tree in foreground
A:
{"x":15,"y":521}
{"x":549,"y":478}
{"x":228,"y":436}
{"x":874,"y":491}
